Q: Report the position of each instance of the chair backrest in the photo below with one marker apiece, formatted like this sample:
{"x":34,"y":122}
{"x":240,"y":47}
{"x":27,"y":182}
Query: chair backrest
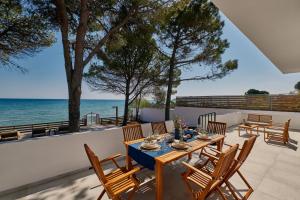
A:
{"x":265,"y":118}
{"x":216,"y":127}
{"x":95,"y":164}
{"x":243,"y":155}
{"x":225,"y":162}
{"x":159,"y":127}
{"x":246,"y":149}
{"x":132,"y":132}
{"x":253,"y":118}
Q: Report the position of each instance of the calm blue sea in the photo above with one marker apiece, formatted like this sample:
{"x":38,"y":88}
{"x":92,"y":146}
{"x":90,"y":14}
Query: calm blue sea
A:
{"x":30,"y":111}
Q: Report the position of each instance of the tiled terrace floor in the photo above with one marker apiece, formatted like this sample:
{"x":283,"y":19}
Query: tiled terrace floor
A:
{"x":272,"y":170}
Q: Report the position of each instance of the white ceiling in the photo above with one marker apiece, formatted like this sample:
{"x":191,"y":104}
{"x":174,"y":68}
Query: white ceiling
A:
{"x":272,"y":25}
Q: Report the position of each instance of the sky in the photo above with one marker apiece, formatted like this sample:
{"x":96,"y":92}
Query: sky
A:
{"x":46,"y":74}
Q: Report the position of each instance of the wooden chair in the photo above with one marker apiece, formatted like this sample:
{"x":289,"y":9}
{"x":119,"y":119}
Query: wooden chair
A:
{"x":253,"y":118}
{"x":132,"y":132}
{"x":159,"y":127}
{"x":117,"y":181}
{"x":280,"y":134}
{"x":243,"y":155}
{"x":260,"y":120}
{"x":209,"y":182}
{"x":217,"y":128}
{"x":265,"y":120}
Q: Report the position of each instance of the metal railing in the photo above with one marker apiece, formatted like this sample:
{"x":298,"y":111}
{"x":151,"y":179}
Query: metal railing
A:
{"x":205,"y":118}
{"x":91,"y":118}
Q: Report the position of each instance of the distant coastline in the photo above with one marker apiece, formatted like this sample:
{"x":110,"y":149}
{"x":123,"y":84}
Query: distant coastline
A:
{"x":18,"y":111}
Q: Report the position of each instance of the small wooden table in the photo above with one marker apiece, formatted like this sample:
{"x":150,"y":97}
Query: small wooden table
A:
{"x":171,"y":156}
{"x":249,"y":128}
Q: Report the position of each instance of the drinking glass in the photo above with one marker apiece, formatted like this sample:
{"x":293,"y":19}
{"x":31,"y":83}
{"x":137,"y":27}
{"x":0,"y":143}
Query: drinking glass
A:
{"x":162,"y":142}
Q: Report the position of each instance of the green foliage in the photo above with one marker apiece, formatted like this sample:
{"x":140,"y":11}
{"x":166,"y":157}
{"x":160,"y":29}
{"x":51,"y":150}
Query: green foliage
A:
{"x":140,"y":103}
{"x":131,"y":66}
{"x":297,"y":86}
{"x":189,"y":35}
{"x":193,"y":34}
{"x":173,"y":103}
{"x":255,"y":92}
{"x":23,"y":32}
{"x":159,"y":96}
{"x":86,"y":27}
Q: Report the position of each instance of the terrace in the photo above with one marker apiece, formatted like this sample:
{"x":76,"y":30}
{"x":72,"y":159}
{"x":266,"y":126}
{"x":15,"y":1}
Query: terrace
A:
{"x":271,"y":169}
{"x":56,"y":167}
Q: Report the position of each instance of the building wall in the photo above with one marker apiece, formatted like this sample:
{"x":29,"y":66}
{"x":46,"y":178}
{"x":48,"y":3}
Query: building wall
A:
{"x":190,"y":115}
{"x":230,"y":116}
{"x":33,"y":160}
{"x":154,"y":114}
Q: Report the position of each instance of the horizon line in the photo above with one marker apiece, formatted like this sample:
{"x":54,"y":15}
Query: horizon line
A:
{"x":52,"y":98}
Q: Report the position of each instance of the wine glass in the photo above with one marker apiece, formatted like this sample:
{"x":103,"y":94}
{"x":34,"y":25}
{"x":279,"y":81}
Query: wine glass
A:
{"x":162,"y":142}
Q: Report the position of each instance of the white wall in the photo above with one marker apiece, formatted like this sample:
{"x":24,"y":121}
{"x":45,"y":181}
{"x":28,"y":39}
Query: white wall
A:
{"x":190,"y":115}
{"x":154,"y":114}
{"x":230,"y":116}
{"x":230,"y":119}
{"x":32,"y":160}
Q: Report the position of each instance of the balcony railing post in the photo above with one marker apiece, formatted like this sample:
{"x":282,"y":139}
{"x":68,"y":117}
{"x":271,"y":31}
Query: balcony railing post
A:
{"x":97,"y":118}
{"x":270,"y":103}
{"x":117,"y":117}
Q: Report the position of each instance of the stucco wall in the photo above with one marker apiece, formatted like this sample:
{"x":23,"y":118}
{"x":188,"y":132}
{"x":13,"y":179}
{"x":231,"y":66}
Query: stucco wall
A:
{"x":154,"y":114}
{"x":230,"y":116}
{"x":32,"y":160}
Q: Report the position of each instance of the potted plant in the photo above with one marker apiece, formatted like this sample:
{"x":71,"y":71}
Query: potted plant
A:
{"x":178,"y":128}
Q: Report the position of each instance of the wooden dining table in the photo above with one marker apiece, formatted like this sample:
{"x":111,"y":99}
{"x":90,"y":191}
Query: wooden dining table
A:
{"x":173,"y":155}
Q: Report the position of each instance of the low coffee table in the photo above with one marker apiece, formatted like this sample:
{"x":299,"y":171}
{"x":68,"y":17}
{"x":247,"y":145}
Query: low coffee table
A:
{"x":247,"y":128}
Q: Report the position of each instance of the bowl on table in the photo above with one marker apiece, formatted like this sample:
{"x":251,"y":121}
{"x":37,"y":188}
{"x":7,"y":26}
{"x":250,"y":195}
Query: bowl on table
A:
{"x":203,"y":137}
{"x":180,"y":145}
{"x":149,"y":146}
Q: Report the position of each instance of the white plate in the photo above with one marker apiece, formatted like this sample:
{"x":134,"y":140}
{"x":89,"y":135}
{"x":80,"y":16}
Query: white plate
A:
{"x":178,"y":145}
{"x":203,"y":137}
{"x":150,"y":146}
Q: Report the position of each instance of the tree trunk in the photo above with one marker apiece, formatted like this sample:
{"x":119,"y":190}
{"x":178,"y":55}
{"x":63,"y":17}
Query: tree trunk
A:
{"x":126,"y":106}
{"x":171,"y":78}
{"x":74,"y":101}
{"x":169,"y":92}
{"x":73,"y":72}
{"x":137,"y":107}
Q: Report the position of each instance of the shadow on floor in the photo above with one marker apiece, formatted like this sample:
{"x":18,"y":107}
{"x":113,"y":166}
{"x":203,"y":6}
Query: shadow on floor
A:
{"x":289,"y":145}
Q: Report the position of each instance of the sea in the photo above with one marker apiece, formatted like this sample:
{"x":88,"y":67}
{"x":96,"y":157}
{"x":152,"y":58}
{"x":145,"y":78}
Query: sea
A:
{"x":32,"y":111}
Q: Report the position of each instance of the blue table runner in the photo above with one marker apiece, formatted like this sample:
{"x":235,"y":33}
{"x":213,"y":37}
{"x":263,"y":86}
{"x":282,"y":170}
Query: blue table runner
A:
{"x":147,"y":158}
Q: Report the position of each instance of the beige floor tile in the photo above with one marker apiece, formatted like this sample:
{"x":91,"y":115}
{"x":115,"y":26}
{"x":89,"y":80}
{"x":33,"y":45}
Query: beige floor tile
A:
{"x":278,"y":189}
{"x":262,"y":196}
